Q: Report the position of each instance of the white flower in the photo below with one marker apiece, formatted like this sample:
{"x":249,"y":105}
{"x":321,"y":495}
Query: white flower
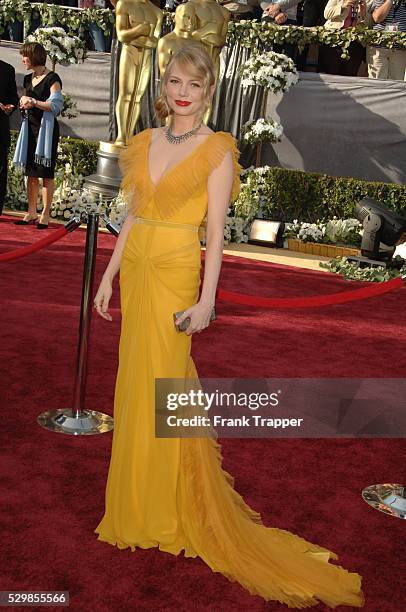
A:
{"x":273,"y":71}
{"x":262,"y":130}
{"x":61,"y":47}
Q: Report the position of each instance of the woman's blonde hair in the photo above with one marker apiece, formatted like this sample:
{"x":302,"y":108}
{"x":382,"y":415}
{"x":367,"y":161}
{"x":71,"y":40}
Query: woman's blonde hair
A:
{"x":193,"y":58}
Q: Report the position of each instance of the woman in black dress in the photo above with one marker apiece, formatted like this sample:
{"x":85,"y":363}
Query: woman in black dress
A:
{"x":38,"y":86}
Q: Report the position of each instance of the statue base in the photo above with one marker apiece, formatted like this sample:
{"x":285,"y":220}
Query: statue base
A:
{"x":106,"y":181}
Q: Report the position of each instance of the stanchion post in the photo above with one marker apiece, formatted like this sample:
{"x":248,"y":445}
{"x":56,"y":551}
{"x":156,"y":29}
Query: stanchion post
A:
{"x":85,"y":314}
{"x":78,"y":420}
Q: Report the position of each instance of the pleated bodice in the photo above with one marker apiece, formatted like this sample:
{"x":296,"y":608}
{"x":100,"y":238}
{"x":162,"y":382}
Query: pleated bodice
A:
{"x":181,"y":193}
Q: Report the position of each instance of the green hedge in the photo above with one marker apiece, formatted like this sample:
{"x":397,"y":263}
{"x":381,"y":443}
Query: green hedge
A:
{"x":293,"y":194}
{"x":284,"y":194}
{"x":80,"y":154}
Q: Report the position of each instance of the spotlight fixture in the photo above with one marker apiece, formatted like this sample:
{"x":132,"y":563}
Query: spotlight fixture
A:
{"x":382,"y":229}
{"x":267,"y":233}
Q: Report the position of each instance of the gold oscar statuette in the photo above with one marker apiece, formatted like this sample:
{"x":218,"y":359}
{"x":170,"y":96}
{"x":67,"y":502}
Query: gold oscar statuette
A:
{"x":138,"y":25}
{"x":185,"y":25}
{"x":212,"y":25}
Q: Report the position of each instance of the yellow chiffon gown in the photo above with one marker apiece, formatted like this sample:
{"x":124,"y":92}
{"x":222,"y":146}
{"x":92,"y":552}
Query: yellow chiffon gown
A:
{"x":172,"y":493}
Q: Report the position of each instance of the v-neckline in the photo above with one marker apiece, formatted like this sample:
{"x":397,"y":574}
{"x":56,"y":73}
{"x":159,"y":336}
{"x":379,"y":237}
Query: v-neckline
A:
{"x":39,"y":82}
{"x":176,"y":166}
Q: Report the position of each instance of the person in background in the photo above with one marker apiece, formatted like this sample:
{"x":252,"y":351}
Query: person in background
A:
{"x":282,"y":12}
{"x":8,"y":103}
{"x":342,"y":14}
{"x":313,"y":12}
{"x":100,"y":41}
{"x":389,"y":15}
{"x":37,"y":143}
{"x":313,"y":15}
{"x":242,"y":9}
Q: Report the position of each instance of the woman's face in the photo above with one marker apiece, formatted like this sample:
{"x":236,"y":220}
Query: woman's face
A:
{"x":27,"y":63}
{"x":184,"y":92}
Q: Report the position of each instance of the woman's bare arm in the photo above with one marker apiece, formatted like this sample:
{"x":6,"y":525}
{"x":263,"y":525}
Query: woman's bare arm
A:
{"x":219,"y":192}
{"x":103,"y":295}
{"x":115,"y":260}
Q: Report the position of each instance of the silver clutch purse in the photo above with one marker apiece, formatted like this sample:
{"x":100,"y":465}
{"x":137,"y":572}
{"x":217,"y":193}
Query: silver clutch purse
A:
{"x":185,"y":323}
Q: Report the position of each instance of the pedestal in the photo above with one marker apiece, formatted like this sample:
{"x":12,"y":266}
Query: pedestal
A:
{"x":108,"y":177}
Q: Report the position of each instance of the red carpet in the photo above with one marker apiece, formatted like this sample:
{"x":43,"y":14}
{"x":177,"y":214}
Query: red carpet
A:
{"x":53,"y":485}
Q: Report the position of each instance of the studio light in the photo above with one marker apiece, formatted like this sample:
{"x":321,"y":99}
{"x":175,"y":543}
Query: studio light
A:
{"x":382,"y":229}
{"x":267,"y":233}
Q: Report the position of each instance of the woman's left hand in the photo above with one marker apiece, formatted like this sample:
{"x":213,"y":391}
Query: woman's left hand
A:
{"x":199,"y":317}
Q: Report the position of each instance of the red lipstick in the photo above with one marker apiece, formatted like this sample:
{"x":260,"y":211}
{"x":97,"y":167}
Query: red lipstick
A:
{"x":182,"y":102}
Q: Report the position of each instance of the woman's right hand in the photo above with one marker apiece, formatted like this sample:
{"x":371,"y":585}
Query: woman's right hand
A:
{"x":102,"y":299}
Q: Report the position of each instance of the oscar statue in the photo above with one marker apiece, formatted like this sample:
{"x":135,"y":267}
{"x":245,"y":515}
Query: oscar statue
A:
{"x":212,"y":24}
{"x":185,"y":25}
{"x":138,"y":26}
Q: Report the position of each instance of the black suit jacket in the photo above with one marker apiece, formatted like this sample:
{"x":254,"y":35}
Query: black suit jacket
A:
{"x":8,"y":95}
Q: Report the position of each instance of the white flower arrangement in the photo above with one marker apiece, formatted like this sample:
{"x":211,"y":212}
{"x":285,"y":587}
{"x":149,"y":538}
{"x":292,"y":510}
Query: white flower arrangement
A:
{"x":347,"y":231}
{"x":312,"y":232}
{"x":69,"y":110}
{"x":16,"y":194}
{"x":62,"y":48}
{"x":252,"y":200}
{"x":262,"y":130}
{"x":335,"y":231}
{"x":235,"y":229}
{"x":118,"y":210}
{"x":273,"y":71}
{"x":71,"y":199}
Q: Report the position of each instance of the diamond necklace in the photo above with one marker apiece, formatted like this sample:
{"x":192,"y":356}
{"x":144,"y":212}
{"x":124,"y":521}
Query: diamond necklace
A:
{"x":178,"y":139}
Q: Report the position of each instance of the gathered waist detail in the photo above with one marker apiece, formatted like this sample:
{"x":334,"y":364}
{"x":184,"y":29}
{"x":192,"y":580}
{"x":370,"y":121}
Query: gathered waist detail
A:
{"x":185,"y":226}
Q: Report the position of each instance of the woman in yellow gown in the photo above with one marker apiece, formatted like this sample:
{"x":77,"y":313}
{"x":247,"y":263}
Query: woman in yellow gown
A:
{"x":172,"y":492}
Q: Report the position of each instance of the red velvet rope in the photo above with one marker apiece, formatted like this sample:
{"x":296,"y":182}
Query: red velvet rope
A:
{"x":36,"y":246}
{"x":240,"y":298}
{"x":313,"y":300}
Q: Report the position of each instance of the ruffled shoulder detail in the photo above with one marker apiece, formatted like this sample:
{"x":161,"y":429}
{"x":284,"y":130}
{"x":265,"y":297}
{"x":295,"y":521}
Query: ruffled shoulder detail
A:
{"x":222,"y":143}
{"x":132,"y":162}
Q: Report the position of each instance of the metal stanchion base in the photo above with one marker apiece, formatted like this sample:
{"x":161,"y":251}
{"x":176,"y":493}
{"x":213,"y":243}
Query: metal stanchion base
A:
{"x":387,"y":498}
{"x":89,"y":422}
